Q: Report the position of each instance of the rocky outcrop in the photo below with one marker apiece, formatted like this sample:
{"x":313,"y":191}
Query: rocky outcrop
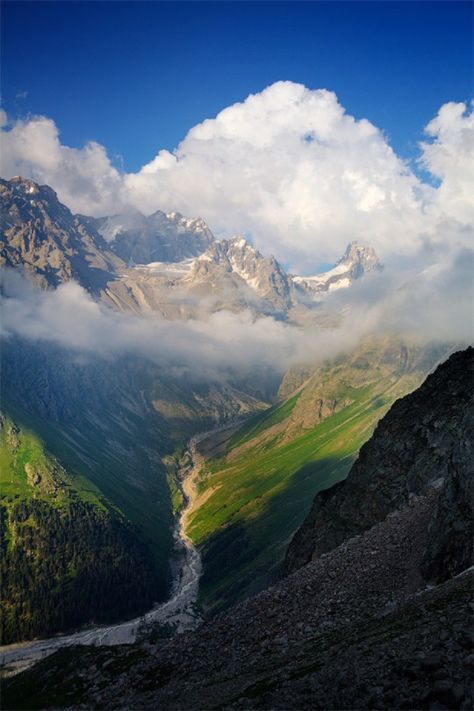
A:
{"x":236,"y":259}
{"x":425,"y":438}
{"x":450,"y":546}
{"x":230,"y":275}
{"x":40,"y":235}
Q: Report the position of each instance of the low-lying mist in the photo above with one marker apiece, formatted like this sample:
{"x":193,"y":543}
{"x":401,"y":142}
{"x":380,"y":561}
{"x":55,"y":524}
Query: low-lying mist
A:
{"x":434,"y":304}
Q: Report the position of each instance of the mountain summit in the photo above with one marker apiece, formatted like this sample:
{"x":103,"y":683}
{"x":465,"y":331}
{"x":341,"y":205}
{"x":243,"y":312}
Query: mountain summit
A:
{"x":160,"y":237}
{"x":356,"y":261}
{"x":40,"y":235}
{"x":236,"y":257}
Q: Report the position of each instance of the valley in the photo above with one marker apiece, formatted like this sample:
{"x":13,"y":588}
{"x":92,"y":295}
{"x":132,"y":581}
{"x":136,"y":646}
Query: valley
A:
{"x":170,"y":427}
{"x":256,"y":493}
{"x":176,"y":615}
{"x":387,"y":612}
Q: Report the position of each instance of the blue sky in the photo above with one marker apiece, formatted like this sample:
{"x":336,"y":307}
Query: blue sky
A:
{"x":137,"y":76}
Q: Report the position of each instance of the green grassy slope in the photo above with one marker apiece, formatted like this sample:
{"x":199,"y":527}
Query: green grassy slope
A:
{"x":68,"y":556}
{"x":118,"y":426}
{"x":94,"y":421}
{"x":259,"y":492}
{"x":118,"y":422}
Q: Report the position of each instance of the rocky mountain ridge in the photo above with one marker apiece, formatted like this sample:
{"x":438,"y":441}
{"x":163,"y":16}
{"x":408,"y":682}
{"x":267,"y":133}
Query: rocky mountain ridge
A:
{"x":41,"y":235}
{"x":164,"y":263}
{"x":138,"y":239}
{"x":356,"y":261}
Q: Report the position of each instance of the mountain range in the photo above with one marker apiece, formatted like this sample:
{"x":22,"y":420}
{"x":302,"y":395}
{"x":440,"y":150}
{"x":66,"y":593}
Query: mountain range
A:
{"x":163,"y":263}
{"x":92,"y":446}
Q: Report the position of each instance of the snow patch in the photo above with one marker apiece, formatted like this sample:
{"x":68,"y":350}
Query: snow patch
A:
{"x":167,"y":268}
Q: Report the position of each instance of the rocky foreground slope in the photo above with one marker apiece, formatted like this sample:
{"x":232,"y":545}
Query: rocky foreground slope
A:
{"x":382,"y":620}
{"x":426,"y":436}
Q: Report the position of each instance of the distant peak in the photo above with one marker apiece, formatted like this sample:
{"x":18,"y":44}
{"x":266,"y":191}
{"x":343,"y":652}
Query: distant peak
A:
{"x":240,"y":242}
{"x":357,"y":250}
{"x":357,"y":260}
{"x":360,"y":257}
{"x":30,"y":187}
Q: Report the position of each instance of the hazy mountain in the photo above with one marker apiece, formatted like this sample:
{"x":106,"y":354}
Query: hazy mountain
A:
{"x":164,"y":263}
{"x":236,"y":258}
{"x":158,"y":238}
{"x":232,"y":274}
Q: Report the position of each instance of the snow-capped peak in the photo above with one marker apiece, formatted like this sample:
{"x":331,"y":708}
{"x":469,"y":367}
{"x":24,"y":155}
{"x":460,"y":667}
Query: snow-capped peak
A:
{"x":359,"y":259}
{"x":159,"y":237}
{"x":356,"y":261}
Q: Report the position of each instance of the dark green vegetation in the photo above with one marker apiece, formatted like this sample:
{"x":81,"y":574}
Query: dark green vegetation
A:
{"x":117,"y":427}
{"x":68,"y":556}
{"x":93,"y":416}
{"x":252,"y":499}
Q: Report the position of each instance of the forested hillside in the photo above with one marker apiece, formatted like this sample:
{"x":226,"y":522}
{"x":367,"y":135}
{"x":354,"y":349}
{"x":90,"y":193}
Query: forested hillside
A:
{"x":68,"y":556}
{"x":119,"y":425}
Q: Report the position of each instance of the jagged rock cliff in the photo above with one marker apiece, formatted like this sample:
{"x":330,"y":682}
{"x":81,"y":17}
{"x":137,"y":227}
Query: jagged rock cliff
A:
{"x":425,"y":438}
{"x":356,"y":261}
{"x":41,"y":235}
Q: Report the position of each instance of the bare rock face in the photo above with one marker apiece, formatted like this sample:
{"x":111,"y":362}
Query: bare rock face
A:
{"x":450,"y":547}
{"x":236,"y":260}
{"x":40,"y":235}
{"x":34,"y":476}
{"x":160,"y":237}
{"x":426,"y":437}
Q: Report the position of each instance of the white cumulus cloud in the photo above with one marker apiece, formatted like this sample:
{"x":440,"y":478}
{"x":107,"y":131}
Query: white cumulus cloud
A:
{"x":449,"y":155}
{"x":84,"y":178}
{"x":287,"y":166}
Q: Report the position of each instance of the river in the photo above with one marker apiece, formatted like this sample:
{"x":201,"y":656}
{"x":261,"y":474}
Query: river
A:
{"x":179,"y":613}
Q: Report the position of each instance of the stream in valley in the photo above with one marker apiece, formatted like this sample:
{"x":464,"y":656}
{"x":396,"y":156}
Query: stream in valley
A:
{"x":179,"y":613}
